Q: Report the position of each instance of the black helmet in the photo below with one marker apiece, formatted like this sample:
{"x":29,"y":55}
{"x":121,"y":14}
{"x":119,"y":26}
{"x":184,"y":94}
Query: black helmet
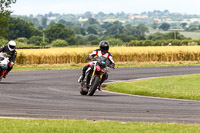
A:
{"x":104,"y":46}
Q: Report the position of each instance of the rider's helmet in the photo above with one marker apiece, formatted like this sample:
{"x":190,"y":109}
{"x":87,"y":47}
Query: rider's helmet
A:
{"x":11,"y":45}
{"x":104,"y":46}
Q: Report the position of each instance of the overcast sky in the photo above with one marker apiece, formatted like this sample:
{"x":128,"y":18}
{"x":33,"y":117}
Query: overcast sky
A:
{"x":27,"y":7}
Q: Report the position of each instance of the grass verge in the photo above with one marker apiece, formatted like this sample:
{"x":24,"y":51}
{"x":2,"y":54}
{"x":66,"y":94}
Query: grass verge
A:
{"x":45,"y":67}
{"x":118,"y":65}
{"x":82,"y":126}
{"x":179,"y":87}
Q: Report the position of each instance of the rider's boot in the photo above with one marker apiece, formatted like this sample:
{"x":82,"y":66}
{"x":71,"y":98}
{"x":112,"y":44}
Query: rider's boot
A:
{"x":105,"y":77}
{"x":81,"y":78}
{"x":99,"y":88}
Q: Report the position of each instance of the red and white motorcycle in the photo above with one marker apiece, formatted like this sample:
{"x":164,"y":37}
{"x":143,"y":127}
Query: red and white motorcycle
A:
{"x":4,"y":60}
{"x":94,"y":75}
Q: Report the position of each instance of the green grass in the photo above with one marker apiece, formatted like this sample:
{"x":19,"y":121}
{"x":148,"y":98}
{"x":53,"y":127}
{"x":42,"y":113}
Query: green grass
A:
{"x":82,"y":126}
{"x":193,"y":35}
{"x":156,"y":64}
{"x":118,"y":65}
{"x":180,"y":87}
{"x":39,"y":67}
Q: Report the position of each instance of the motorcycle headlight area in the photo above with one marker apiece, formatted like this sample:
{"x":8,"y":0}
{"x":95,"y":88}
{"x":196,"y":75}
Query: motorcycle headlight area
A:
{"x":103,"y":62}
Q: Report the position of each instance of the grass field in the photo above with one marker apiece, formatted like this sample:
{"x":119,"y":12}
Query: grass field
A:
{"x":82,"y":126}
{"x":192,"y":35}
{"x":179,"y":87}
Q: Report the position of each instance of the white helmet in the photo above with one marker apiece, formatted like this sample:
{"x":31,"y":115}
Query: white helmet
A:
{"x":11,"y":45}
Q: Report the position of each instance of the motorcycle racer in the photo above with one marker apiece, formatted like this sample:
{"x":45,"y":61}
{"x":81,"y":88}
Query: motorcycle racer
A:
{"x":11,"y":53}
{"x":103,"y":51}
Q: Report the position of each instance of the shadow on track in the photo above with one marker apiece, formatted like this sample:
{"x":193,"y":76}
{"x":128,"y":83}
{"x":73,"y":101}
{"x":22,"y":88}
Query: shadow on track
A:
{"x":13,"y":83}
{"x":103,"y":95}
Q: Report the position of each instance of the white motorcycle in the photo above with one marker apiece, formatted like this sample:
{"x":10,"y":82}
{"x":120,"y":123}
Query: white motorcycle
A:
{"x":4,"y":60}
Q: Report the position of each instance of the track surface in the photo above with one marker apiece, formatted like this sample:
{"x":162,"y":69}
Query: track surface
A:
{"x":55,"y":94}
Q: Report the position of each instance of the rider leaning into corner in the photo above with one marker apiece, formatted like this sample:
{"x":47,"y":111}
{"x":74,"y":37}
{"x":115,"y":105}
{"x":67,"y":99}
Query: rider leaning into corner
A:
{"x":11,"y":53}
{"x":103,"y":51}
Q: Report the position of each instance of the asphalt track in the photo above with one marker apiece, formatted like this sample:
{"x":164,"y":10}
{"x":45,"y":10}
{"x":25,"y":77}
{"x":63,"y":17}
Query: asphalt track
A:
{"x":54,"y":94}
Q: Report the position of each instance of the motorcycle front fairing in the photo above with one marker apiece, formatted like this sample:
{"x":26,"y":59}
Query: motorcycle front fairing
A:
{"x":4,"y":60}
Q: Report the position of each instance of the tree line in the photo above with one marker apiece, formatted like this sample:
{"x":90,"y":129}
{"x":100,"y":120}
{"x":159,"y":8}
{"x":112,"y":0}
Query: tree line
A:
{"x":64,"y":33}
{"x":90,"y":32}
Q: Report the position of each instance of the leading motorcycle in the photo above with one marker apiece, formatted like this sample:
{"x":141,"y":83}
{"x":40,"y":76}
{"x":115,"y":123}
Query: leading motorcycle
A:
{"x":94,"y":75}
{"x":4,"y":60}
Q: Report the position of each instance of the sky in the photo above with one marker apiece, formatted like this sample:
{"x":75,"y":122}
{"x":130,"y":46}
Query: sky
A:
{"x":27,"y":7}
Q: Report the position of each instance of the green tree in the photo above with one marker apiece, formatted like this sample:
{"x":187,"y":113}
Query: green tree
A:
{"x":91,"y":30}
{"x":4,"y":16}
{"x":166,"y":36}
{"x":94,"y":42}
{"x":81,"y":39}
{"x":115,"y":42}
{"x":192,"y":28}
{"x":59,"y":43}
{"x":20,"y":28}
{"x":91,"y":37}
{"x":114,"y":29}
{"x":100,"y":15}
{"x":126,"y":38}
{"x":22,"y":39}
{"x":87,"y":15}
{"x":52,"y":22}
{"x":155,"y":25}
{"x":129,"y":30}
{"x":44,"y":22}
{"x":69,"y":24}
{"x":59,"y":31}
{"x":3,"y":41}
{"x":142,"y":29}
{"x":90,"y":22}
{"x":37,"y":40}
{"x":165,"y":26}
{"x":79,"y":30}
{"x":106,"y":25}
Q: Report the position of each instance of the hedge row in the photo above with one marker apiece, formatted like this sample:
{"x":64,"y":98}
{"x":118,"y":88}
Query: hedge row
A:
{"x":163,"y":43}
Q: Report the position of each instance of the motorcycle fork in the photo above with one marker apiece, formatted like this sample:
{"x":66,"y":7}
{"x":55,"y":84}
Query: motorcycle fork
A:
{"x":101,"y":75}
{"x":92,"y":78}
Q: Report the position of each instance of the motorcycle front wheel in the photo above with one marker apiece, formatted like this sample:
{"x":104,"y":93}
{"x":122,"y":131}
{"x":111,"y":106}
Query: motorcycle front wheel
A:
{"x":94,"y":85}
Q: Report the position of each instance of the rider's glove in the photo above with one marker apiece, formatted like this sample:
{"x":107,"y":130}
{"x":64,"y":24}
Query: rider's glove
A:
{"x":93,"y":59}
{"x":112,"y":66}
{"x":89,"y":57}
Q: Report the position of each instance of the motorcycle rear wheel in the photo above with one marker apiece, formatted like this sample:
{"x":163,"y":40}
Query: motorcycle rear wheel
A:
{"x":82,"y":91}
